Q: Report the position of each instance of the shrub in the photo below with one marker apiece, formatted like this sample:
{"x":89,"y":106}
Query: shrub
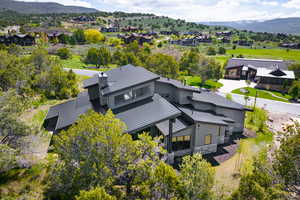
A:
{"x":211,"y":51}
{"x":64,"y":53}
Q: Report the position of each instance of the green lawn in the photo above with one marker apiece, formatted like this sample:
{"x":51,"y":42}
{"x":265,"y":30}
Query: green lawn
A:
{"x":283,"y":54}
{"x":263,"y":94}
{"x":196,"y":81}
{"x":75,"y":62}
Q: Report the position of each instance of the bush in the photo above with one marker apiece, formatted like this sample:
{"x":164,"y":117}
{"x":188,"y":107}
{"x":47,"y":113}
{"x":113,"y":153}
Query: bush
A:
{"x":211,"y":51}
{"x":294,"y":90}
{"x":93,"y":36}
{"x":64,"y":53}
{"x":222,"y":50}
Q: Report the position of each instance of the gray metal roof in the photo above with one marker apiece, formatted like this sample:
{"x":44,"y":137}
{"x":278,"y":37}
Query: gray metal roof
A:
{"x":204,"y":117}
{"x":257,"y":63}
{"x":217,"y":100}
{"x":122,"y":78}
{"x":70,"y":111}
{"x":178,"y":125}
{"x":263,"y":72}
{"x":148,"y":114}
{"x":178,"y":84}
{"x":137,"y":116}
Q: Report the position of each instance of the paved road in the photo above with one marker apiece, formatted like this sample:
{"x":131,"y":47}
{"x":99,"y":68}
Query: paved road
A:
{"x":272,"y":106}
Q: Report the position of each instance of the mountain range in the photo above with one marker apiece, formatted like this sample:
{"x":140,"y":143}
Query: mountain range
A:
{"x":281,"y":25}
{"x":42,"y":7}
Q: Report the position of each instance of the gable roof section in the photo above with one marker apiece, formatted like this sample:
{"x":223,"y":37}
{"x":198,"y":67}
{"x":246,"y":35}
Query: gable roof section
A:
{"x":257,"y":63}
{"x":136,"y":117}
{"x":217,"y":100}
{"x":204,"y":117}
{"x":122,"y":78}
{"x":151,"y":113}
{"x":178,"y":84}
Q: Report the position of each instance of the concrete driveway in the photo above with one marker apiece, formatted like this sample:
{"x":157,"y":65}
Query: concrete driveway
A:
{"x":230,"y":85}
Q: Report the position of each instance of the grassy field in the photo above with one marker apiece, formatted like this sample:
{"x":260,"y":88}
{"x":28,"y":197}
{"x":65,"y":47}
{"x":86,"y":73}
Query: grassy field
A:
{"x":76,"y":62}
{"x":284,"y":54}
{"x":264,"y":94}
{"x":196,"y":81}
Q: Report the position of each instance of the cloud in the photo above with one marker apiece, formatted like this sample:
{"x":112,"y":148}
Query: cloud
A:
{"x":196,"y":10}
{"x":292,"y":4}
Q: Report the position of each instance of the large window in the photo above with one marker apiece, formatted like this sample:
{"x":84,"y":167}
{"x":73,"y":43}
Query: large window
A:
{"x":130,"y":95}
{"x":207,"y":139}
{"x":181,"y":142}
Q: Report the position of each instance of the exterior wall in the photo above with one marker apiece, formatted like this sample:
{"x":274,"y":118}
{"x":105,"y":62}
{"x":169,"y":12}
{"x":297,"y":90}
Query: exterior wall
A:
{"x":111,"y":99}
{"x":237,"y":115}
{"x":183,"y":96}
{"x":93,"y":92}
{"x":233,"y":73}
{"x":203,"y":106}
{"x":221,"y":137}
{"x":203,"y":129}
{"x":167,"y":91}
{"x":173,"y":94}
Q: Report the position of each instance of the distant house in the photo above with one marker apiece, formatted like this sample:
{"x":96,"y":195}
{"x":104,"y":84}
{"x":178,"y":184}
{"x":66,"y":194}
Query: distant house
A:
{"x":110,"y":29}
{"x":268,"y":74}
{"x":84,"y":19}
{"x":169,"y":33}
{"x":130,"y":29}
{"x":189,"y":120}
{"x":224,"y":33}
{"x":19,"y":39}
{"x":243,"y":42}
{"x":225,"y":39}
{"x":140,"y":38}
{"x":185,"y":42}
{"x":290,"y":45}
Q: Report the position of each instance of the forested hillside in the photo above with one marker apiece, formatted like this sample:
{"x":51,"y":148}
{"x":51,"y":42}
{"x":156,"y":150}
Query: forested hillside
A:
{"x":284,"y":25}
{"x":41,"y":8}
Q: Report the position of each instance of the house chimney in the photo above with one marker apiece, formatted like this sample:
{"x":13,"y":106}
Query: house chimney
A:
{"x":102,"y":79}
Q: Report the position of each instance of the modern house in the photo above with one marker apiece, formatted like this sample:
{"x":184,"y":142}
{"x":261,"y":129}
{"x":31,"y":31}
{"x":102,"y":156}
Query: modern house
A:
{"x":140,"y":38}
{"x":190,"y":120}
{"x":268,"y":74}
{"x":110,"y":29}
{"x":19,"y":39}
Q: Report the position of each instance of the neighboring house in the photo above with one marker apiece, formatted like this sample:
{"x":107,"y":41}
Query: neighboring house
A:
{"x":290,"y":45}
{"x":268,"y":74}
{"x":169,"y":33}
{"x":243,"y":42}
{"x":188,"y":119}
{"x":130,"y":29}
{"x":111,"y":29}
{"x":140,"y":38}
{"x":19,"y":39}
{"x":224,"y":33}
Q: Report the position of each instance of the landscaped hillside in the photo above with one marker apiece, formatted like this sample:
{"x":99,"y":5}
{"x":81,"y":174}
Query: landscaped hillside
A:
{"x":41,"y":8}
{"x":284,"y":25}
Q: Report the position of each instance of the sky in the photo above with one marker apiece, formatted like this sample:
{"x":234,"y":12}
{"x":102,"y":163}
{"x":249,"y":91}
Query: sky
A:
{"x":197,"y":10}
